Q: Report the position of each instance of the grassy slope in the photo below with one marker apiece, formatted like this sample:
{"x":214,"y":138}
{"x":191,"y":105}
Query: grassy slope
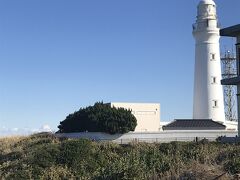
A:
{"x":43,"y":156}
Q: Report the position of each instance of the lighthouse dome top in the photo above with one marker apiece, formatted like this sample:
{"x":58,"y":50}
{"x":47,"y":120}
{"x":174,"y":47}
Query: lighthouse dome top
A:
{"x":211,"y":2}
{"x":206,"y":10}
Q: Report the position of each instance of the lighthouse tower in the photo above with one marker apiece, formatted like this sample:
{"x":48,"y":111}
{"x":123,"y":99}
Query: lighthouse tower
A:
{"x":208,"y":93}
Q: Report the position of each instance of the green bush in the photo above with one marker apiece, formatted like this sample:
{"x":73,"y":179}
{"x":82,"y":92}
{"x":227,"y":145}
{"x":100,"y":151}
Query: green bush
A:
{"x":233,"y":166}
{"x":45,"y":155}
{"x":75,"y":151}
{"x":99,"y":118}
{"x":57,"y":172}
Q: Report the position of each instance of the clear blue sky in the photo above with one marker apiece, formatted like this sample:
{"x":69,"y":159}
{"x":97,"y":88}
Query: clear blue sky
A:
{"x":57,"y":56}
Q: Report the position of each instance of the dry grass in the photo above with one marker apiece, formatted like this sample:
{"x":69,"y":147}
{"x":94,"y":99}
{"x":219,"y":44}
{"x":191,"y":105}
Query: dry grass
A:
{"x":206,"y":172}
{"x":43,"y":156}
{"x":7,"y":143}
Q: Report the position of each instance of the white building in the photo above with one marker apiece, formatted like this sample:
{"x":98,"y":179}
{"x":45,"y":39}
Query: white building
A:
{"x":208,"y":93}
{"x":147,"y":115}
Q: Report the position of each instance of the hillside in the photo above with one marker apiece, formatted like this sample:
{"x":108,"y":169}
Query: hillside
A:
{"x":43,"y":156}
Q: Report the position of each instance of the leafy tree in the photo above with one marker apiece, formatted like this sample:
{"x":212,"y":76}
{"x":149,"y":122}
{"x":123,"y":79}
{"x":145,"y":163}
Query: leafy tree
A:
{"x":99,"y":118}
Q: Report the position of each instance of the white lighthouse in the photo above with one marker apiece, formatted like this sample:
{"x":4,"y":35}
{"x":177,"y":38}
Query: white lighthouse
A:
{"x":208,"y":93}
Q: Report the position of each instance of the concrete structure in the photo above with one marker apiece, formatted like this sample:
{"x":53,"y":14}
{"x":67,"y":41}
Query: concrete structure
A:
{"x":147,"y":115}
{"x":208,"y":93}
{"x":231,"y":125}
{"x":150,"y":137}
{"x":234,"y":31}
{"x":162,"y":124}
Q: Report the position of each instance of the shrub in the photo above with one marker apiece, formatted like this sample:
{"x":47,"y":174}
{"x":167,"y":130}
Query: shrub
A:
{"x":57,"y":172}
{"x":72,"y":152}
{"x":99,"y":118}
{"x":233,"y":166}
{"x":45,"y":155}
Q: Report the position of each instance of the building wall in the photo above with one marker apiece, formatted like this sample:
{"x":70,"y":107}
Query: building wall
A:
{"x":231,"y":125}
{"x":163,"y":123}
{"x":147,"y":115}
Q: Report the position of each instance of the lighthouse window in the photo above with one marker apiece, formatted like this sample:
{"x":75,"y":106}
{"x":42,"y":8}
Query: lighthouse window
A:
{"x":214,"y":80}
{"x":215,"y":103}
{"x":213,"y":56}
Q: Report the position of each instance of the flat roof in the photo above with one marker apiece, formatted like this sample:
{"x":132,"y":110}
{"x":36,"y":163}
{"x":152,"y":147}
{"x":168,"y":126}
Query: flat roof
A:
{"x":135,"y":103}
{"x":232,"y":31}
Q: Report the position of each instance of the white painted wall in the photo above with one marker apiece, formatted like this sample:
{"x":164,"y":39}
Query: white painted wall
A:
{"x":208,"y":93}
{"x":231,"y":125}
{"x":163,"y":123}
{"x":147,"y":115}
{"x":238,"y":86}
{"x":164,"y":136}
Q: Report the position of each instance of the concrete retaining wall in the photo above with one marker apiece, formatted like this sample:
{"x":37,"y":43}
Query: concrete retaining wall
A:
{"x":164,"y":136}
